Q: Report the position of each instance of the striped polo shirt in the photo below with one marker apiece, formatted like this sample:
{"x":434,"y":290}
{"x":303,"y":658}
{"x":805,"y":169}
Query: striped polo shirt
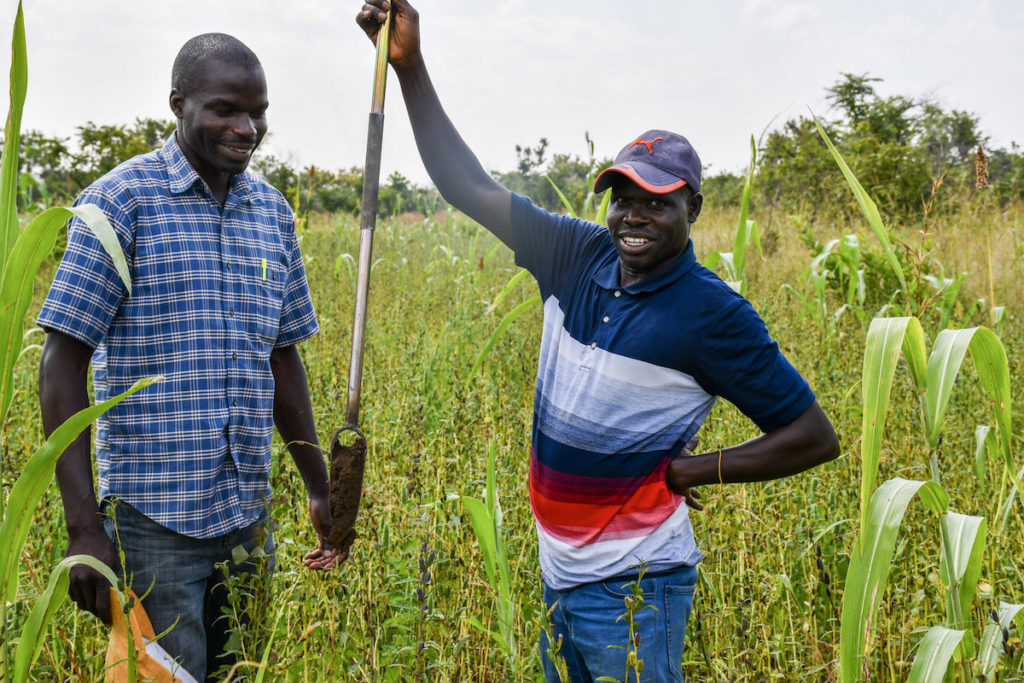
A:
{"x":626,"y":376}
{"x":214,"y":290}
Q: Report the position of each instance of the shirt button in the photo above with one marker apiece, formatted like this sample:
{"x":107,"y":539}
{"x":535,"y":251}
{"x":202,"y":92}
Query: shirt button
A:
{"x":234,"y":403}
{"x":227,"y":266}
{"x":594,"y":345}
{"x":234,"y":356}
{"x":605,"y":319}
{"x":617,"y":294}
{"x":231,"y":312}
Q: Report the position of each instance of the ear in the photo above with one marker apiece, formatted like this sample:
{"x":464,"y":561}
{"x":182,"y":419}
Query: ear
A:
{"x":177,"y":102}
{"x":695,"y":204}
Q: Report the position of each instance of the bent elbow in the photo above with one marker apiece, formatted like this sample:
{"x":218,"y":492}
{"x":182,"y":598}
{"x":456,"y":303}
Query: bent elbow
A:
{"x":829,"y":445}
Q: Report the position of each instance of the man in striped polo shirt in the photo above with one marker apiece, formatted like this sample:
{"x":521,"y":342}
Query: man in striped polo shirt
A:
{"x":639,"y":340}
{"x":219,"y":301}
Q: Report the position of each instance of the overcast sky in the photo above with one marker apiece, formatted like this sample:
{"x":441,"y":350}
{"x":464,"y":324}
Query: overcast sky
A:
{"x":512,"y":71}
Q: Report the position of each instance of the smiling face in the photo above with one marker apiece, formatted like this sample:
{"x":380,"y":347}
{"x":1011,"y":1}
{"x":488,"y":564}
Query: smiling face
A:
{"x":221,"y":120}
{"x":650,"y":231}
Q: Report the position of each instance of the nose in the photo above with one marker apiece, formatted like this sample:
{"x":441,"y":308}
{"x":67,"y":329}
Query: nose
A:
{"x":245,"y":126}
{"x":636,"y":214}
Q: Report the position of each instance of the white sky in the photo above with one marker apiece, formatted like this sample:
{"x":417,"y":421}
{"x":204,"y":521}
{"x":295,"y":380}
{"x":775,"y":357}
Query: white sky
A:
{"x":512,"y":71}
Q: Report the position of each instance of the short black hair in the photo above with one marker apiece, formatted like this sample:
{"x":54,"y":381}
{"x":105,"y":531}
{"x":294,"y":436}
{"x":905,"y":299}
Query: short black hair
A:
{"x":195,"y":52}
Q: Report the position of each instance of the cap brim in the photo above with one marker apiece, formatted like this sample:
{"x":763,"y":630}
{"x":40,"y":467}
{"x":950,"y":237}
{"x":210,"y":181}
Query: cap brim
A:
{"x":650,"y":178}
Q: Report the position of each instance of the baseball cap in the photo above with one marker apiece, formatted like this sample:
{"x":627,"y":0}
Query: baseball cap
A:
{"x":658,"y":161}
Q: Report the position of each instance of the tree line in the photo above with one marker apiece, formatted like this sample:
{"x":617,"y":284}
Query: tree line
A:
{"x":903,"y":149}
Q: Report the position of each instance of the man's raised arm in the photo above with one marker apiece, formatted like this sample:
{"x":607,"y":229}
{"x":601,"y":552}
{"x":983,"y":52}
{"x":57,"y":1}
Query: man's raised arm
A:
{"x":453,"y":167}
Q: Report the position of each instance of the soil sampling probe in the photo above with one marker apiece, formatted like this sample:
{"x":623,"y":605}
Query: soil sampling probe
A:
{"x":348,"y":462}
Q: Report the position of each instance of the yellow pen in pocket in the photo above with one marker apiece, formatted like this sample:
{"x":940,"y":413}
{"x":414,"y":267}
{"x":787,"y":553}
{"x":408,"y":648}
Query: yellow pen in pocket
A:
{"x":263,"y":263}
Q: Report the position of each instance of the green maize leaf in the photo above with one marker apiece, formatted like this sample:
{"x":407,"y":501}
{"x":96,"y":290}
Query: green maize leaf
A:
{"x":491,"y":492}
{"x":504,"y":586}
{"x":509,"y":318}
{"x":963,"y":548}
{"x":729,"y":261}
{"x":862,"y":288}
{"x":743,"y":227}
{"x":565,"y":202}
{"x":983,"y":440}
{"x":989,"y":356}
{"x":494,"y":509}
{"x":516,"y":279}
{"x":849,"y":251}
{"x":349,"y":262}
{"x":32,"y":246}
{"x":867,"y":206}
{"x":916,"y":354}
{"x":1007,"y":613}
{"x":991,"y":650}
{"x":9,"y":226}
{"x":34,"y":480}
{"x":602,"y":210}
{"x":483,"y":527}
{"x":97,"y":221}
{"x":870,"y":562}
{"x":998,"y":315}
{"x":34,"y":631}
{"x":887,"y":337}
{"x":943,"y":366}
{"x":820,"y":258}
{"x":990,"y":653}
{"x":934,"y":655}
{"x":712,"y":260}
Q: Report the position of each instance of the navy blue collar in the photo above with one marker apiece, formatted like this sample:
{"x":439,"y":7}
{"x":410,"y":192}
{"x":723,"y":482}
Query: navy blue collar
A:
{"x":607,"y":276}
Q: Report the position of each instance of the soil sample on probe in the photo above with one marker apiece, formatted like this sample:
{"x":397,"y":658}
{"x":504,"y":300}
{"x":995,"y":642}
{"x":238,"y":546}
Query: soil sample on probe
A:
{"x":347,"y":464}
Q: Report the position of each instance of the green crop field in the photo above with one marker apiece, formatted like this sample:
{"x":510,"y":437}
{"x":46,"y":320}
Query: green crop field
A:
{"x":414,"y":601}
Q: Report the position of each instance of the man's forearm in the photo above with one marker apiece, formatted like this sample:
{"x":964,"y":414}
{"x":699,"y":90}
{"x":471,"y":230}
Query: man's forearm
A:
{"x":293,"y":415}
{"x":62,"y":393}
{"x":806,"y":442}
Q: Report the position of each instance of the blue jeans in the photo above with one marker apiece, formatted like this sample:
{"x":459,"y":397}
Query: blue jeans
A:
{"x":595,"y":638}
{"x":186,"y":582}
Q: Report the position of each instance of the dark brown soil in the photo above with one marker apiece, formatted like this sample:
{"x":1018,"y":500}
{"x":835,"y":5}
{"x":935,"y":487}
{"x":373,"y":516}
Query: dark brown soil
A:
{"x":347,"y":464}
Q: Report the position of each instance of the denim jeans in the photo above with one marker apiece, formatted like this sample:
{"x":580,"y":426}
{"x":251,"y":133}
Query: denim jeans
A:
{"x":187,"y":591}
{"x":595,"y":640}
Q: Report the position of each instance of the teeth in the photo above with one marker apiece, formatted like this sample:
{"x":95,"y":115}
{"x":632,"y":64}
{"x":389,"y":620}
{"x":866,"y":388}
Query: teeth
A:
{"x":240,"y":150}
{"x":635,"y":241}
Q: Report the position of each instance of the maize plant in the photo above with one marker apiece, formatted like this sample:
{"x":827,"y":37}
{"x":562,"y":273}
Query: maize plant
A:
{"x":735,"y":261}
{"x":23,"y":251}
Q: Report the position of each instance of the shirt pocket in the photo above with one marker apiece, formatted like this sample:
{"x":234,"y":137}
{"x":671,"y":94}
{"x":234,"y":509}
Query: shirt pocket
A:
{"x":265,"y":297}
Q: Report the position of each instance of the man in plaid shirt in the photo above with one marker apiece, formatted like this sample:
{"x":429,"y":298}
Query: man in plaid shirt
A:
{"x":219,"y":301}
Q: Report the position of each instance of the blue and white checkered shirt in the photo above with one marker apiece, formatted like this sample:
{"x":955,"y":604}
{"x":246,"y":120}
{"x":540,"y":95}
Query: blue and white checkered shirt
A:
{"x":214,"y":291}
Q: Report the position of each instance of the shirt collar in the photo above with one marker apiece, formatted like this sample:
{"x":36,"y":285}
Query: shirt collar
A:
{"x":607,"y":276}
{"x":181,"y":176}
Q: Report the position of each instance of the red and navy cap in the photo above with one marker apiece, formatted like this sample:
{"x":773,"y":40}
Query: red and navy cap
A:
{"x":658,"y":161}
